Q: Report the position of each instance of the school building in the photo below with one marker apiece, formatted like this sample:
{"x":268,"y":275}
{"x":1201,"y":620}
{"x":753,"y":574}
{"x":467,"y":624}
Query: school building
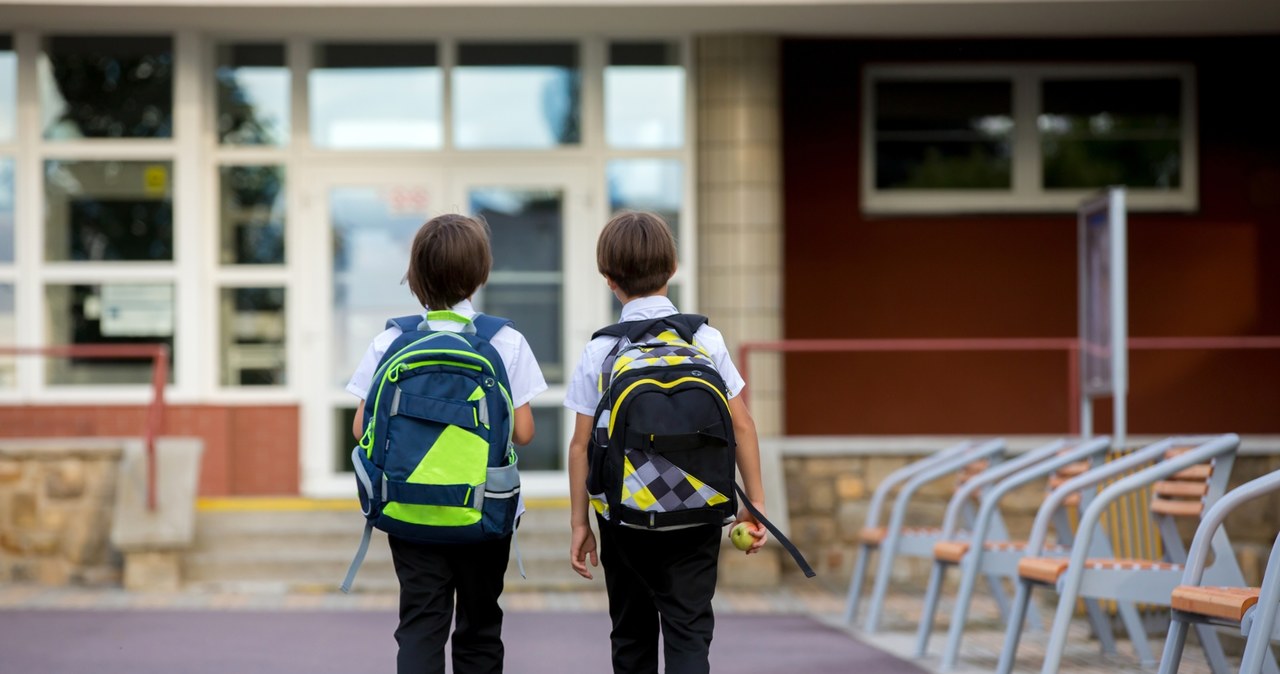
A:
{"x":239,"y":180}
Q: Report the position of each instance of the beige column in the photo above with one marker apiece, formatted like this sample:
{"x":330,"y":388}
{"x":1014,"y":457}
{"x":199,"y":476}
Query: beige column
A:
{"x":740,"y":205}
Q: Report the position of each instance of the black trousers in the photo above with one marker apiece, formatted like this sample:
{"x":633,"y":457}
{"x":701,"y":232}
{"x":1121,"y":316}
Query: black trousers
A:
{"x":660,"y":579}
{"x":429,"y":577}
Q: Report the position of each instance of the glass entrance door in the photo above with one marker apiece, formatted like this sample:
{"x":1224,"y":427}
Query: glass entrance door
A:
{"x":363,"y":222}
{"x":543,"y":279}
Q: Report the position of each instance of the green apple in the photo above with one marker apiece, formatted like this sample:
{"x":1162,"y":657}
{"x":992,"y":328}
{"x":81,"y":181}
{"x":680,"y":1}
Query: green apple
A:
{"x":741,"y":537}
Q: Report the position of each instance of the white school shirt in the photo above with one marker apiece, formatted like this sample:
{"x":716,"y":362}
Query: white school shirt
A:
{"x":583,"y":395}
{"x":523,"y":374}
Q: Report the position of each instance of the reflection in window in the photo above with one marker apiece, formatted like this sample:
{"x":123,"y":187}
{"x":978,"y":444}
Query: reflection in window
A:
{"x":943,"y":134}
{"x":8,"y":335}
{"x":116,"y":313}
{"x":526,"y":284}
{"x":515,"y":96}
{"x":253,"y":94}
{"x":546,"y":452}
{"x":8,"y":88}
{"x":1112,"y":132}
{"x":644,"y":95}
{"x":376,"y":96}
{"x":107,"y":87}
{"x":252,"y":336}
{"x":372,"y":229}
{"x":108,"y":210}
{"x":253,"y":213}
{"x":343,"y":419}
{"x":647,"y":185}
{"x":537,"y":311}
{"x":6,"y":210}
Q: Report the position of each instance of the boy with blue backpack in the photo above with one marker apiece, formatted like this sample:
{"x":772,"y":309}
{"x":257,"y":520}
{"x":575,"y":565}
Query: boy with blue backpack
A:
{"x":444,"y":400}
{"x":660,"y":429}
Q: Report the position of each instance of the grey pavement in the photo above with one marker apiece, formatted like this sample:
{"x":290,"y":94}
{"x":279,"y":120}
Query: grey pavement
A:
{"x":74,"y":631}
{"x":115,"y":641}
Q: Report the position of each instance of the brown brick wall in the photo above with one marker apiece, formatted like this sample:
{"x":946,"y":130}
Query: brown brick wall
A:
{"x":248,"y":450}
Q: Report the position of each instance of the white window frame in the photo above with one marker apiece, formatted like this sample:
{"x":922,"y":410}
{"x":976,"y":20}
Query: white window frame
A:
{"x":1026,"y":193}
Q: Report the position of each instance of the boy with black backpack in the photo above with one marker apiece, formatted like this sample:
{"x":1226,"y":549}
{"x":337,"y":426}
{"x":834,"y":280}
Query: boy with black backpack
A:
{"x":659,"y":430}
{"x":444,"y":399}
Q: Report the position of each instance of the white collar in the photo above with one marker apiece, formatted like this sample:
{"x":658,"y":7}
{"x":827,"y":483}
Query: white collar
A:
{"x":464,"y":309}
{"x":645,"y":308}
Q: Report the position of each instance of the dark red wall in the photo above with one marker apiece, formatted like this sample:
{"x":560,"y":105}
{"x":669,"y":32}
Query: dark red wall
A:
{"x":1209,"y":273}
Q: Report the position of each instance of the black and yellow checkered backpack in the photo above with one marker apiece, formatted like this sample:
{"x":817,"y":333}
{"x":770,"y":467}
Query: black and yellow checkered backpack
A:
{"x":663,"y":454}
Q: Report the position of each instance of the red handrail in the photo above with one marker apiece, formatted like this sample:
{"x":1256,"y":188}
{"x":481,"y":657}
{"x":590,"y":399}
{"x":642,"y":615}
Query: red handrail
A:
{"x":1070,"y":345}
{"x":159,"y":355}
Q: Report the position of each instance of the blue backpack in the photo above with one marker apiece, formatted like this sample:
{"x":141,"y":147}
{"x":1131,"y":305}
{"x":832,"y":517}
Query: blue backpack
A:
{"x":436,"y":463}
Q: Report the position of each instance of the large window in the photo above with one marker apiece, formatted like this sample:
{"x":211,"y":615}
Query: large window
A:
{"x":107,"y":87}
{"x":516,"y":96}
{"x":376,"y":96}
{"x":1026,"y":138}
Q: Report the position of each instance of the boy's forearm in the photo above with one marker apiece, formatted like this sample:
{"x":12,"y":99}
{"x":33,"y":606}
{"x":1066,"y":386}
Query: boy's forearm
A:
{"x":748,"y":453}
{"x":578,"y":483}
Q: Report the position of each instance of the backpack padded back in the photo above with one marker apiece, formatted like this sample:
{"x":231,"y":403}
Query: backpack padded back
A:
{"x":436,"y":463}
{"x":663,"y":451}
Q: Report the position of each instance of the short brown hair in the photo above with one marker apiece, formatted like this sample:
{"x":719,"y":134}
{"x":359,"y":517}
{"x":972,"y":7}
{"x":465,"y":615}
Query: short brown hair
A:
{"x":637,"y":251}
{"x":449,"y":260}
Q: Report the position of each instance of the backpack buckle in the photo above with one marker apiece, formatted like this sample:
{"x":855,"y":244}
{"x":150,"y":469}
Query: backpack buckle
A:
{"x":653,"y":519}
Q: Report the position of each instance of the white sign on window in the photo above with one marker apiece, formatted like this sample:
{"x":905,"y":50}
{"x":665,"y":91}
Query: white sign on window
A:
{"x":130,"y":310}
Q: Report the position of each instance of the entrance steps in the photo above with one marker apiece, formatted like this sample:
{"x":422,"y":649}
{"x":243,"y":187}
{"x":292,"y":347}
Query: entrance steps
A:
{"x":305,"y":545}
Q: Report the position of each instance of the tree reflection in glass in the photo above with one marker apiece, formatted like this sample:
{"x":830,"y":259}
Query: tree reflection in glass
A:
{"x":106,"y":87}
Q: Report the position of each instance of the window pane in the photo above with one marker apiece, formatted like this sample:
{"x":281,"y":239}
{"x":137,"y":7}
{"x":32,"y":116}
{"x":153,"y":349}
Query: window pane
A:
{"x":253,"y":95}
{"x":343,"y":442}
{"x":8,"y":88}
{"x":8,"y":335}
{"x":648,"y":185}
{"x":644,"y":95}
{"x":107,"y":87}
{"x":117,"y":313}
{"x":376,"y":96}
{"x":108,"y":210}
{"x":536,"y":310}
{"x":1096,"y":133}
{"x":6,"y":210}
{"x":546,"y":452}
{"x":253,"y":214}
{"x":516,"y":96}
{"x":372,"y":229}
{"x":253,"y":336}
{"x":943,"y":135}
{"x":527,"y":227}
{"x":526,"y":284}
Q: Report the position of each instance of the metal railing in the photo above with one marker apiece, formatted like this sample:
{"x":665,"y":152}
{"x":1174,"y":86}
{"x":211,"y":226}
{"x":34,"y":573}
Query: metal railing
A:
{"x":159,"y":356}
{"x":1068,"y":345}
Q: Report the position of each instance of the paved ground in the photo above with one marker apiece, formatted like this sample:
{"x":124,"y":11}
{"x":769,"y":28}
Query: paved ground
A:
{"x":112,"y":632}
{"x":70,"y":631}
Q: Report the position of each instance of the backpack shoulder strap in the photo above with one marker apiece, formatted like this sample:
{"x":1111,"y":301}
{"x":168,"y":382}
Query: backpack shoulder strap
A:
{"x":488,"y":326}
{"x":685,"y":325}
{"x":405,"y":323}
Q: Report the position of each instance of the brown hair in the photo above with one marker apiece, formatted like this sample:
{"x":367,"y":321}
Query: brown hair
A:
{"x":637,"y":251}
{"x":449,"y":260}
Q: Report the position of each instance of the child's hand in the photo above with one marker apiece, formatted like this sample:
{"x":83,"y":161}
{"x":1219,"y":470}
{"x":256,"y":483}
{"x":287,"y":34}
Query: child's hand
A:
{"x":754,"y":527}
{"x":583,"y":546}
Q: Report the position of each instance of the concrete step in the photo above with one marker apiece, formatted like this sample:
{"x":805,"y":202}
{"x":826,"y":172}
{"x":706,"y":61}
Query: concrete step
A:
{"x":281,"y":550}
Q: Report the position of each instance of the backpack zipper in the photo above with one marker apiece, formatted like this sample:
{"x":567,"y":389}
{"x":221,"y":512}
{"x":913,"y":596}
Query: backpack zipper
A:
{"x":613,"y":416}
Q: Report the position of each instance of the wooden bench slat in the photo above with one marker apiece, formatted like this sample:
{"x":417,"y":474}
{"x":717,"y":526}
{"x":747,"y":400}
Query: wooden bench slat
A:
{"x":1073,"y":469}
{"x":1227,"y":603}
{"x":1164,"y":506}
{"x":950,"y":551}
{"x":1201,"y":471}
{"x":1179,"y":488}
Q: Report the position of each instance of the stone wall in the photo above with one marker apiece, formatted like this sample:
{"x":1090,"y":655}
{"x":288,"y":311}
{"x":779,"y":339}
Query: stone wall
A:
{"x":828,"y":498}
{"x":56,"y":500}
